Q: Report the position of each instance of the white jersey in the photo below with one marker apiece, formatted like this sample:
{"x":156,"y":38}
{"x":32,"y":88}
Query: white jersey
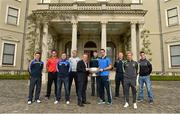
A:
{"x":73,"y":63}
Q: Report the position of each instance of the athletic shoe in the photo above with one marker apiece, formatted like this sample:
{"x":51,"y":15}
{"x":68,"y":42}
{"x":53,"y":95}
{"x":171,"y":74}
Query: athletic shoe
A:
{"x":29,"y":102}
{"x":56,"y":102}
{"x":38,"y":101}
{"x":135,"y":105}
{"x":126,"y":105}
{"x":67,"y":102}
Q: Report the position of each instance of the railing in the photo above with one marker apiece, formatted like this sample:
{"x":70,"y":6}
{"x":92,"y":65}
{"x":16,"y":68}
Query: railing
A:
{"x":89,"y":6}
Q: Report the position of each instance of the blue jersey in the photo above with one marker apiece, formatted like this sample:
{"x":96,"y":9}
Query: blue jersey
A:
{"x":104,"y":63}
{"x":63,"y":67}
{"x":35,"y":68}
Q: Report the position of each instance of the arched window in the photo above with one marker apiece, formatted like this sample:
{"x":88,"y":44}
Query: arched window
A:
{"x":90,"y":44}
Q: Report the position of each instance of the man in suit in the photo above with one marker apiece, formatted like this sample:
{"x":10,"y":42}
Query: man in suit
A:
{"x":82,"y":77}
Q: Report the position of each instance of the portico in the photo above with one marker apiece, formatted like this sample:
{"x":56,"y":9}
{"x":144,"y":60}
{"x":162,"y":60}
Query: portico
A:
{"x":92,"y":28}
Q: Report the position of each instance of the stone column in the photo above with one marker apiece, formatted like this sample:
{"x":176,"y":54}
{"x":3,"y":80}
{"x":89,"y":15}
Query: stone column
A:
{"x":134,"y":41}
{"x":140,"y":26}
{"x":103,"y":35}
{"x":74,"y":36}
{"x":44,"y":55}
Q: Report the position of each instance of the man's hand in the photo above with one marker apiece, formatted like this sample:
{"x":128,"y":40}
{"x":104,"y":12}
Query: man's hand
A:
{"x":87,"y":69}
{"x":101,"y":70}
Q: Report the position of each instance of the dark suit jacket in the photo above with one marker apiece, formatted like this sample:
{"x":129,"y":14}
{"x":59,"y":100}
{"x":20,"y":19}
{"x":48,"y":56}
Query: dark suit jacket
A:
{"x":81,"y":71}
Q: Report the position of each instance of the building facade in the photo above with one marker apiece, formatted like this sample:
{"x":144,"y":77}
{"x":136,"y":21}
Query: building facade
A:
{"x":87,"y":25}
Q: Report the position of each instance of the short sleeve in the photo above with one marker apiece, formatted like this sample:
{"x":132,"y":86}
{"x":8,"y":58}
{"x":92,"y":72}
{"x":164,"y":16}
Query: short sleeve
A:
{"x":108,"y":61}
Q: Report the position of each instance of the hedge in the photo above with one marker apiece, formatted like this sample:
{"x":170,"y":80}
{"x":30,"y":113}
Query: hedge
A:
{"x":26,"y":77}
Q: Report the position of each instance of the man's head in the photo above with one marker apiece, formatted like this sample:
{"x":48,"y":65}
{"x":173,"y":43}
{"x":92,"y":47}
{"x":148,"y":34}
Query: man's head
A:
{"x":129,"y":55}
{"x":95,"y":54}
{"x":103,"y":52}
{"x":63,"y":56}
{"x":37,"y":55}
{"x":85,"y":57}
{"x":74,"y":53}
{"x":120,"y":55}
{"x":53,"y":53}
{"x":142,"y":55}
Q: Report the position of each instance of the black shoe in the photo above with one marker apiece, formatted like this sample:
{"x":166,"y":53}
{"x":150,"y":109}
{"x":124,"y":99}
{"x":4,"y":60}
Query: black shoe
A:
{"x":86,"y":102}
{"x":80,"y":105}
{"x":151,"y":102}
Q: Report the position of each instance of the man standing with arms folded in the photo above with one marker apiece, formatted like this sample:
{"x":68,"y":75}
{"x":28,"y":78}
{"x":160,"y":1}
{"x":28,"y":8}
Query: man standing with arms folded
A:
{"x":119,"y":74}
{"x":73,"y":74}
{"x":144,"y":78}
{"x":104,"y":82}
{"x":52,"y":73}
{"x":130,"y":76}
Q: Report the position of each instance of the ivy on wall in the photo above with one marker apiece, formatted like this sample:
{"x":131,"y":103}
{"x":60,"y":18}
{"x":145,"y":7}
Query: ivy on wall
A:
{"x":146,"y":43}
{"x":35,"y":29}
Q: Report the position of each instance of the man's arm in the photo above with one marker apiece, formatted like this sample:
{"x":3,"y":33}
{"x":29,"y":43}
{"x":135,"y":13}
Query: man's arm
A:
{"x":150,"y":67}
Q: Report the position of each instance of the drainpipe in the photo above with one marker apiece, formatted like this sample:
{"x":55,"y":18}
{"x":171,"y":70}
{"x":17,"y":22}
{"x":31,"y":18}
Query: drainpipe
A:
{"x":24,"y":36}
{"x":161,"y":37}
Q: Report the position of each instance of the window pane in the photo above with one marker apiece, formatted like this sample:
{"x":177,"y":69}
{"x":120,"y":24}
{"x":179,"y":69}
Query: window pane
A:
{"x":172,"y":12}
{"x":175,"y":50}
{"x":13,"y":12}
{"x":173,"y":21}
{"x":12,"y":20}
{"x":9,"y":48}
{"x":8,"y":59}
{"x":46,"y":1}
{"x":175,"y":61}
{"x":136,"y":1}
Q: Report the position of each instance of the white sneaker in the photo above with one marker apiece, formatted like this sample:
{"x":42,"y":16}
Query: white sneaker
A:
{"x":135,"y":105}
{"x":55,"y":102}
{"x":67,"y":102}
{"x":29,"y":102}
{"x":126,"y":105}
{"x":38,"y":101}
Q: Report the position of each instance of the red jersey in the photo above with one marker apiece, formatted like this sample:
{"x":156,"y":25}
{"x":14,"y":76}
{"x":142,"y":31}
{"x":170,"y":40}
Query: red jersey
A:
{"x":51,"y":64}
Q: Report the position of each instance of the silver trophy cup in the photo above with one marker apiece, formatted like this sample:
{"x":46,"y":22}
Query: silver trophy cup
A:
{"x":93,"y":71}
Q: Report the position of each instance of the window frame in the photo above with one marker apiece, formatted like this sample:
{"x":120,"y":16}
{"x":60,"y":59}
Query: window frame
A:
{"x":7,"y":15}
{"x":2,"y":53}
{"x":170,"y":55}
{"x":167,"y":17}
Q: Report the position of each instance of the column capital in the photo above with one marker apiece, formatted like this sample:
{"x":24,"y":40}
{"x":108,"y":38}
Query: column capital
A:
{"x":104,"y":22}
{"x":133,"y":22}
{"x":74,"y":22}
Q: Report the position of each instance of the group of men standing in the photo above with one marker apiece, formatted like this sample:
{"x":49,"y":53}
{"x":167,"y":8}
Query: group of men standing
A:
{"x":64,"y":71}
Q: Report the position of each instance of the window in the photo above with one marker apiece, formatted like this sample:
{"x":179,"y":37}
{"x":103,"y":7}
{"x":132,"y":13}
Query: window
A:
{"x":172,"y":16}
{"x":175,"y":55}
{"x":8,"y":54}
{"x":111,"y":51}
{"x":45,"y":1}
{"x":79,"y":0}
{"x":136,"y":1}
{"x":12,"y":16}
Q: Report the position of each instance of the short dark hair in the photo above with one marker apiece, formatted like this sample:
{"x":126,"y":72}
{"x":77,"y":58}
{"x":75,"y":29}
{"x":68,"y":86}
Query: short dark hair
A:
{"x":38,"y":53}
{"x":103,"y":50}
{"x":142,"y":52}
{"x":95,"y":51}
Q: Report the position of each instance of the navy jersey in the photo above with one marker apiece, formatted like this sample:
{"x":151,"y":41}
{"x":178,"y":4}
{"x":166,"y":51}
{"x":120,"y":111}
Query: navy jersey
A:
{"x":35,"y":68}
{"x":63,"y":67}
